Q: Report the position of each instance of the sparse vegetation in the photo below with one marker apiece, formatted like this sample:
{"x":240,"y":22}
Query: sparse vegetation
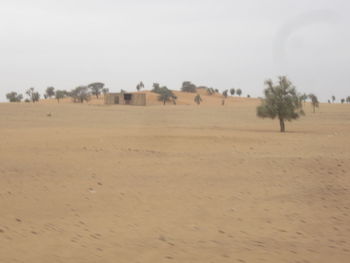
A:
{"x":314,"y":102}
{"x":49,"y":92}
{"x":140,"y":86}
{"x":166,"y":95}
{"x":239,"y":92}
{"x":210,"y":91}
{"x":156,"y":88}
{"x":198,"y":99}
{"x":232,"y":91}
{"x":14,"y":97}
{"x":225,"y":93}
{"x":187,"y":86}
{"x":342,"y":101}
{"x":60,"y":94}
{"x":33,"y":95}
{"x":281,"y":101}
{"x":80,"y":94}
{"x":333,"y":98}
{"x":96,"y":88}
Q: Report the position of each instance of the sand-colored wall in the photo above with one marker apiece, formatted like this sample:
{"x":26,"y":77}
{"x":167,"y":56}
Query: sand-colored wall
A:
{"x":138,"y":99}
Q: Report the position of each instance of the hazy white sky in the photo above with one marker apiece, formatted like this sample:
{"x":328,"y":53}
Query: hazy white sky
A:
{"x":217,"y":43}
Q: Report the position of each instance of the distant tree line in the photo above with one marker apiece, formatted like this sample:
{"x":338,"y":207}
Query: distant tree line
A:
{"x":78,"y":94}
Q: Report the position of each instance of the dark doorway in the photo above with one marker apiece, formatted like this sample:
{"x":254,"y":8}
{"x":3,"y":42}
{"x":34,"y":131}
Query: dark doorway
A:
{"x":127,"y":98}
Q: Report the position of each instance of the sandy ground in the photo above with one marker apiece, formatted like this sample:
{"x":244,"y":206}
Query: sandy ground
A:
{"x":173,"y":184}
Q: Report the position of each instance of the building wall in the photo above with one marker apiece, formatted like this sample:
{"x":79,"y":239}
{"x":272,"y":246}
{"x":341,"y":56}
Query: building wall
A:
{"x":138,"y":99}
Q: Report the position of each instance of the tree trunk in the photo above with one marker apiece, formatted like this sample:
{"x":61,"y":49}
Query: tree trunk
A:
{"x":283,"y":128}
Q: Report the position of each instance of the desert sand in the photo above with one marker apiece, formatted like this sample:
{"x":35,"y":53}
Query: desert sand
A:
{"x":182,"y":183}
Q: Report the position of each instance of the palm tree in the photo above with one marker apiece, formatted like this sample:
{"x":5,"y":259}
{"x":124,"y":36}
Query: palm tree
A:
{"x":140,"y":86}
{"x":333,"y":98}
{"x":314,"y":101}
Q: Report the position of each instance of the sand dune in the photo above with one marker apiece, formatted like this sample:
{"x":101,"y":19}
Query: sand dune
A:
{"x":173,"y":184}
{"x":183,"y":98}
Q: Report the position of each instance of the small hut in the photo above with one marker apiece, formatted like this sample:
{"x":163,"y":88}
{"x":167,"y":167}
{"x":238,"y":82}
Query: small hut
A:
{"x":136,"y":98}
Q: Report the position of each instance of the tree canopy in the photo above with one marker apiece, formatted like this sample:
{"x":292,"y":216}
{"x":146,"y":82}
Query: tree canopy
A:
{"x":314,"y":101}
{"x":96,"y":88}
{"x":60,"y":94}
{"x":80,"y":94}
{"x":33,"y":95}
{"x":187,"y":86}
{"x":281,"y":101}
{"x":166,"y":95}
{"x":14,"y":97}
{"x":50,"y":92}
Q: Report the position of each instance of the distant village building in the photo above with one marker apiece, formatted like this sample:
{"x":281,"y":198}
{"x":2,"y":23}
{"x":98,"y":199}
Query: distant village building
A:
{"x":134,"y":98}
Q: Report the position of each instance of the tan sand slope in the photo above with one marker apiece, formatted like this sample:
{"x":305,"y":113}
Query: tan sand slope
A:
{"x":183,"y":98}
{"x":172,"y":184}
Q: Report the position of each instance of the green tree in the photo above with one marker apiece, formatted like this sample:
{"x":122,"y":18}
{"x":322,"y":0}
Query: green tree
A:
{"x":187,"y":86}
{"x":80,"y":94}
{"x":14,"y":97}
{"x":156,"y":88}
{"x":96,"y":88}
{"x":342,"y":101}
{"x":281,"y":101}
{"x":60,"y":94}
{"x":210,"y":91}
{"x":33,"y":95}
{"x":198,"y":99}
{"x":166,"y":95}
{"x":140,"y":86}
{"x":50,"y":92}
{"x":314,"y":101}
{"x":232,"y":91}
{"x":239,"y":92}
{"x":333,"y":98}
{"x":225,"y":93}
